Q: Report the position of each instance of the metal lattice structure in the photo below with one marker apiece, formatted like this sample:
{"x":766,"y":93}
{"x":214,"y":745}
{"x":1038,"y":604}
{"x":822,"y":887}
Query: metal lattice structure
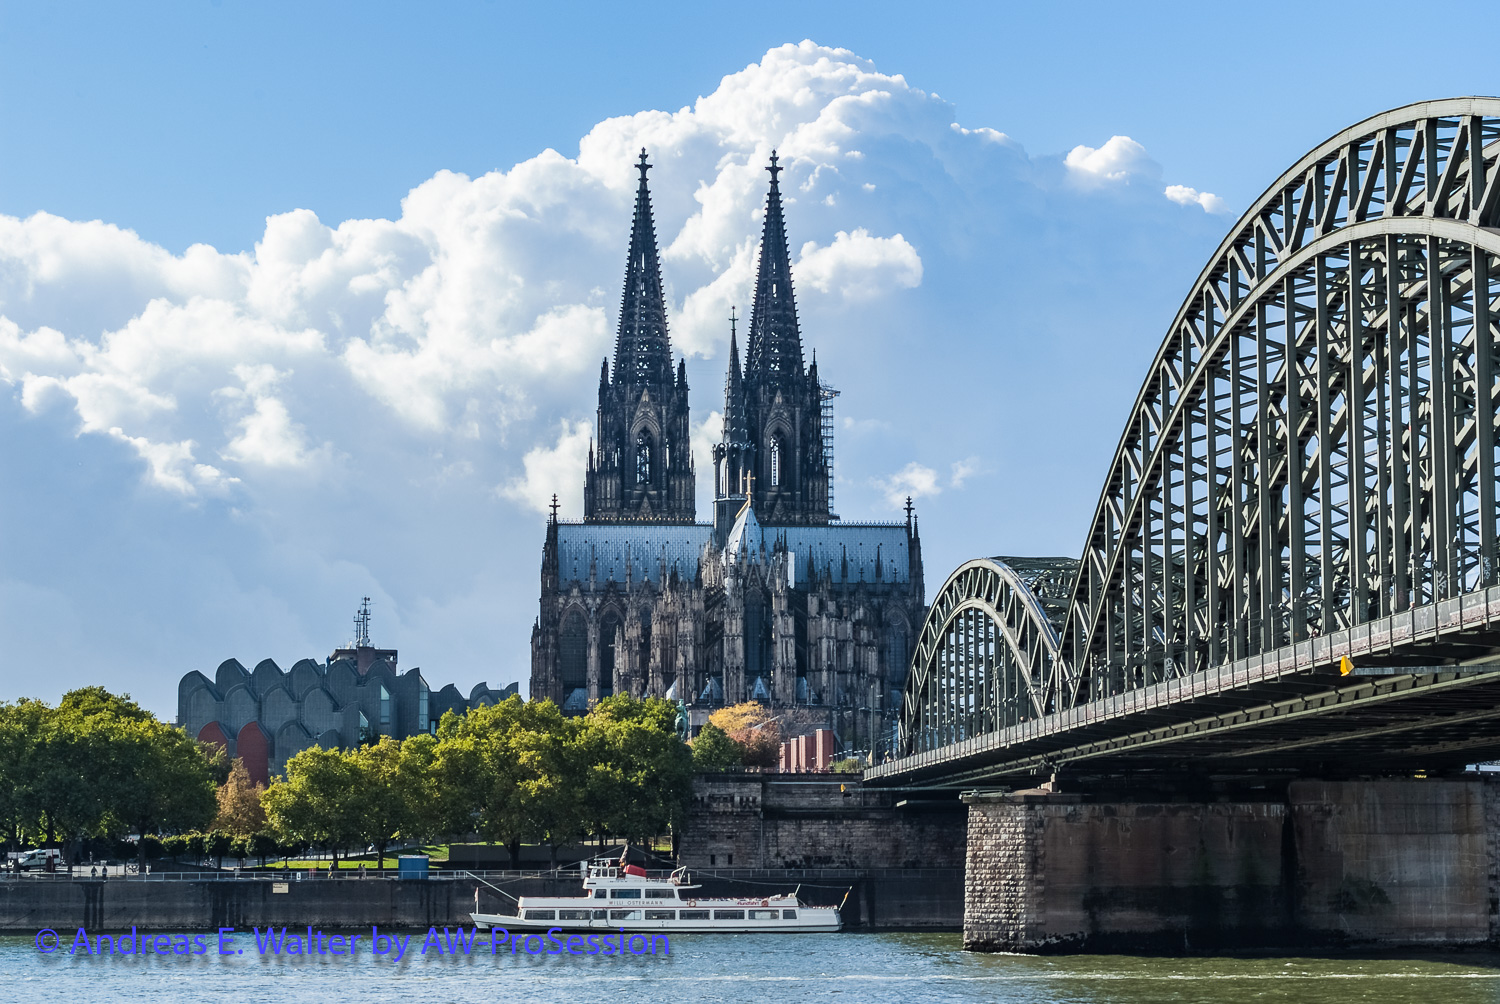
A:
{"x":1313,"y":449}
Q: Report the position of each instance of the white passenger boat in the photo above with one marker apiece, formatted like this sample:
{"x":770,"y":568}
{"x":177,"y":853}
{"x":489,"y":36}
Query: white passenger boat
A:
{"x":619,"y":896}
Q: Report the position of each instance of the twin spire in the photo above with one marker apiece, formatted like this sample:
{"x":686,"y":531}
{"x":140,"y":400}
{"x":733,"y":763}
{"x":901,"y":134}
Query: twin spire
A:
{"x":643,"y":348}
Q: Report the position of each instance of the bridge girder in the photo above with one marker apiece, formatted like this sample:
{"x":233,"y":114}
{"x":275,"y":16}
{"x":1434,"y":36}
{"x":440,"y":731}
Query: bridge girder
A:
{"x":1313,"y":448}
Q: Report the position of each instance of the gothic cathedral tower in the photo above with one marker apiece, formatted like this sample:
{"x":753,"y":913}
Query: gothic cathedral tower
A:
{"x":641,"y":464}
{"x":773,"y":431}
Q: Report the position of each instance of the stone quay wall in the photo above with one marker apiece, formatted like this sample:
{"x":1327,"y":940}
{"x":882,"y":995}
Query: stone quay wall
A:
{"x":872,"y":899}
{"x":1360,"y":864}
{"x":816,"y":821}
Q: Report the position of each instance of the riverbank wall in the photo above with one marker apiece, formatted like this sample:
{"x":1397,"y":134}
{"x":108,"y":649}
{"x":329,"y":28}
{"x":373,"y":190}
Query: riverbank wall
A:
{"x":872,"y":899}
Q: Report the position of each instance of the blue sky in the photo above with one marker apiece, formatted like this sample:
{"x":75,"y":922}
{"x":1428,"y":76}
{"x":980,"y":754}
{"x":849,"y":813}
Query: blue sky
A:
{"x":299,"y":305}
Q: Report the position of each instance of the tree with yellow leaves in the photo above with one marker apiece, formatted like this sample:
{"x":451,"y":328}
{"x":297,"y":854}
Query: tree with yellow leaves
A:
{"x":753,"y":729}
{"x":240,"y":810}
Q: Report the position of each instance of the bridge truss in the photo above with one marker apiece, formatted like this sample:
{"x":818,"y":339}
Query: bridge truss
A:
{"x":1309,"y":473}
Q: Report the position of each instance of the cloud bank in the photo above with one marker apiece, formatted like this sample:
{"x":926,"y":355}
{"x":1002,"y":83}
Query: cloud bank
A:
{"x":426,"y":382}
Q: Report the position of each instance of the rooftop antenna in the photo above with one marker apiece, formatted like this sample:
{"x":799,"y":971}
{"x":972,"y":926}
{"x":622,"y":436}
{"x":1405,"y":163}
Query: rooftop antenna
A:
{"x":362,"y":625}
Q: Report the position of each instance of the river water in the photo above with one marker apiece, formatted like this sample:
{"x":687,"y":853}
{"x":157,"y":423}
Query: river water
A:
{"x":843,"y":968}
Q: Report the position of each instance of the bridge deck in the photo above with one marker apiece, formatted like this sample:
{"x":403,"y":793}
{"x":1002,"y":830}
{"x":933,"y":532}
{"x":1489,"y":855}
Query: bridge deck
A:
{"x":1287,"y":708}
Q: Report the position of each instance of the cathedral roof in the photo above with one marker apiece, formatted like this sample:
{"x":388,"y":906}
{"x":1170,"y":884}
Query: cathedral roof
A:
{"x":843,"y":552}
{"x":643,"y":548}
{"x":847,"y":552}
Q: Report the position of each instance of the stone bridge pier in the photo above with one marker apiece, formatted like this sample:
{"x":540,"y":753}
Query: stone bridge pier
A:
{"x":1408,"y":863}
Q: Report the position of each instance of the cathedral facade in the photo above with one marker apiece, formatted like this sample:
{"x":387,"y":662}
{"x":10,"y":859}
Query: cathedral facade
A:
{"x":776,"y":599}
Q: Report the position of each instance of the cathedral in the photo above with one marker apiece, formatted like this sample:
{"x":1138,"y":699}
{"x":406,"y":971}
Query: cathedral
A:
{"x":775,"y":600}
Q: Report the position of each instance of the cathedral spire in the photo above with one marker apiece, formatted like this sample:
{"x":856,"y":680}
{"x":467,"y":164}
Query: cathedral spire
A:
{"x":736,"y":430}
{"x":643,"y":351}
{"x":774,"y":351}
{"x":643,"y":469}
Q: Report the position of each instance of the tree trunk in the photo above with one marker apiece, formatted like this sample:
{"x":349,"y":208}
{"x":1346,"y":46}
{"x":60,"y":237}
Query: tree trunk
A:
{"x":515,"y":854}
{"x":380,"y":864}
{"x":554,"y":856}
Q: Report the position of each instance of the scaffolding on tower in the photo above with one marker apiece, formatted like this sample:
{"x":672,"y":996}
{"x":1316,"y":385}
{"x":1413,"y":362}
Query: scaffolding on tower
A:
{"x":826,"y":394}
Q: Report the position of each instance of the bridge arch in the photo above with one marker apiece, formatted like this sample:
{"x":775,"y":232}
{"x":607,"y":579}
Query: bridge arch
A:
{"x":986,"y":649}
{"x":1314,"y":445}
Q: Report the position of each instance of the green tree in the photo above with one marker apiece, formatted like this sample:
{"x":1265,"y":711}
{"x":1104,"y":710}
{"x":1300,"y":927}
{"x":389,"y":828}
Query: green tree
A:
{"x":263,"y":845}
{"x":164,"y":778}
{"x":639,"y":777}
{"x":714,"y":750}
{"x":551,"y":764}
{"x":319,"y":803}
{"x":477,"y":772}
{"x":391,"y":783}
{"x":217,"y":844}
{"x":195,"y":846}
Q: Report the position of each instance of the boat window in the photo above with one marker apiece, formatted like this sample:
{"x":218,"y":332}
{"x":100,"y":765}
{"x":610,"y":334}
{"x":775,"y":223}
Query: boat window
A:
{"x":541,"y":914}
{"x":692,"y":914}
{"x":599,"y":914}
{"x":788,"y":914}
{"x":600,"y":893}
{"x":627,"y":894}
{"x":661,"y":914}
{"x":661,"y":893}
{"x":572,"y":915}
{"x":624,"y":915}
{"x":762,"y":914}
{"x":729,"y":915}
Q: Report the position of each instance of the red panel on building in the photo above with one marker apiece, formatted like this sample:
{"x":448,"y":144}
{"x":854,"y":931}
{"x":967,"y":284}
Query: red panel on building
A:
{"x":823,"y":749}
{"x":211,"y":733}
{"x":255,"y":749}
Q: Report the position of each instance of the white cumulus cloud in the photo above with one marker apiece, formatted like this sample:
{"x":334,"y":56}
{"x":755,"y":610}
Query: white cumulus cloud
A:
{"x":915,"y":480}
{"x":1185,"y":196}
{"x":556,"y":469}
{"x":1119,"y":159}
{"x":857,"y":266}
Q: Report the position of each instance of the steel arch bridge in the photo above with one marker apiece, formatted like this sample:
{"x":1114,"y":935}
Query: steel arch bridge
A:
{"x":1308,"y":476}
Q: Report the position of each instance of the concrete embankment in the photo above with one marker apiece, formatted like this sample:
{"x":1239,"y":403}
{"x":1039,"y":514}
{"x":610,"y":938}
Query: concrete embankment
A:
{"x":878,"y":899}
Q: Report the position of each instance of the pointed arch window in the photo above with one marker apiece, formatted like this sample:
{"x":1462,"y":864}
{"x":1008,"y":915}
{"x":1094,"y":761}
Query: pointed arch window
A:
{"x":776,"y":461}
{"x":642,"y":459}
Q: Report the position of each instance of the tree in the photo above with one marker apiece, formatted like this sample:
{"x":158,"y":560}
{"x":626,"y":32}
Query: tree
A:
{"x":263,"y":845}
{"x":551,"y":781}
{"x":714,"y":750}
{"x":737,"y":718}
{"x":240,"y":811}
{"x":639,"y":776}
{"x":390,"y":784}
{"x":165,"y":779}
{"x":195,"y":846}
{"x":752,"y":727}
{"x":477,"y":772}
{"x":318,"y":803}
{"x":217,"y":844}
